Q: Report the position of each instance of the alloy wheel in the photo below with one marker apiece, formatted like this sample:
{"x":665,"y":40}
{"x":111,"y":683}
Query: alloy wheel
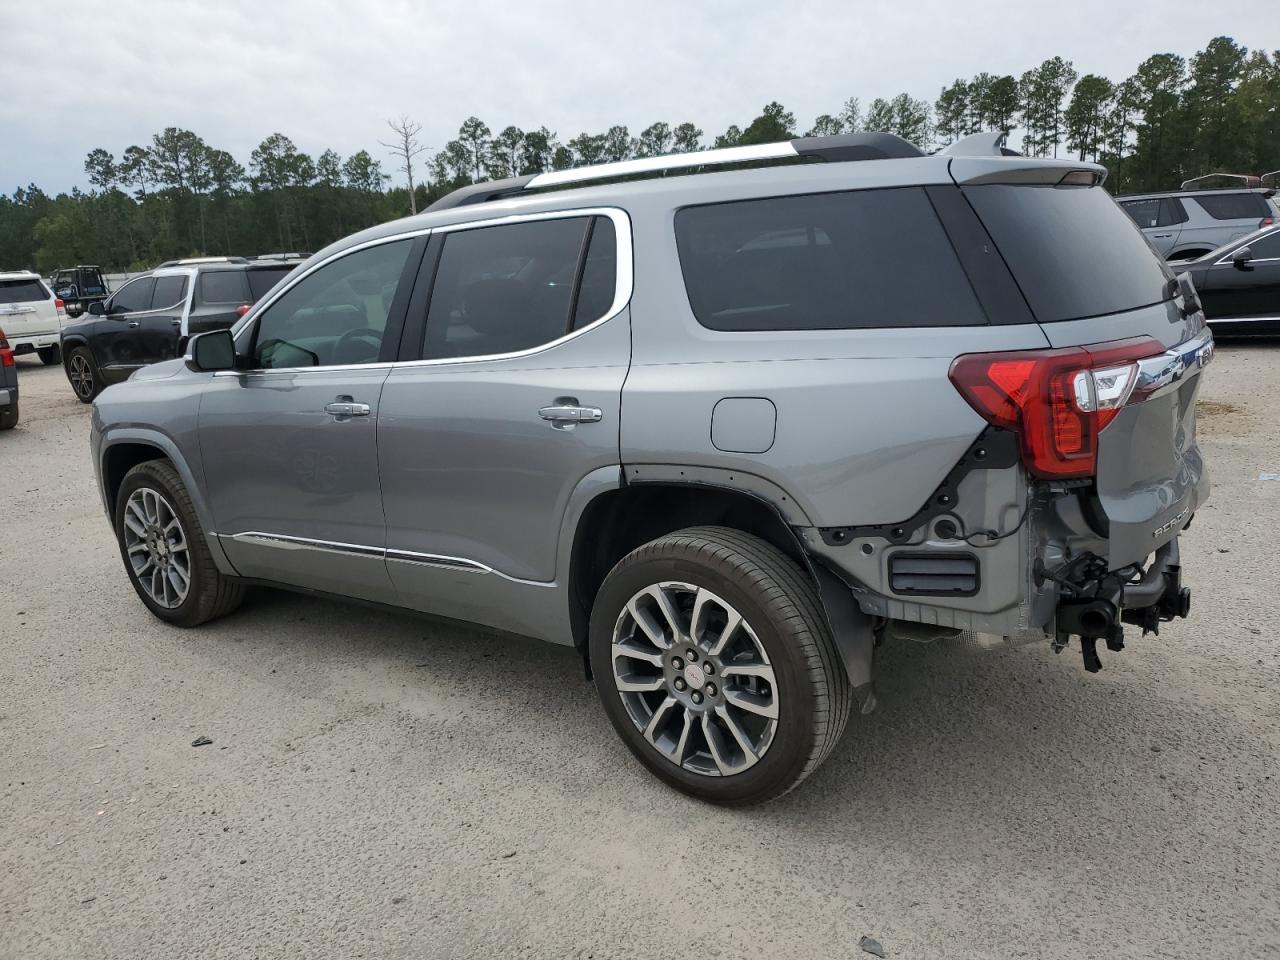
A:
{"x":695,"y":679}
{"x":156,"y":547}
{"x":81,"y":375}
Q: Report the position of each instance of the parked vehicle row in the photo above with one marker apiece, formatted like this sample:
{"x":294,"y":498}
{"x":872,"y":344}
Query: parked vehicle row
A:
{"x":1188,"y":224}
{"x":724,"y":433}
{"x":150,"y":317}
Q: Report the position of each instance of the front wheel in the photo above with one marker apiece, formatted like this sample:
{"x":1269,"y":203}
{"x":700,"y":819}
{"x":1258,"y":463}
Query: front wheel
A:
{"x":83,"y":374}
{"x":715,"y":664}
{"x":164,"y":549}
{"x":49,"y":355}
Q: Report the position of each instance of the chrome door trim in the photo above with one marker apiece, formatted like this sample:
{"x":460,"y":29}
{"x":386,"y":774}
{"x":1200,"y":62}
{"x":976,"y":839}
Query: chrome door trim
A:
{"x":1259,"y":319}
{"x":282,"y":541}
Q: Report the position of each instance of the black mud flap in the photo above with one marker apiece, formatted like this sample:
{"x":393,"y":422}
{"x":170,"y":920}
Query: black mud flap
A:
{"x":853,"y":632}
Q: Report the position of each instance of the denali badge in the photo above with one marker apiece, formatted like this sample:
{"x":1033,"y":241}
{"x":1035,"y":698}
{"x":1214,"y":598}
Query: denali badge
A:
{"x":1166,"y":527}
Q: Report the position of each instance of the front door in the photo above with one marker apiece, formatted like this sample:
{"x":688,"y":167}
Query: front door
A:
{"x":119,"y":336}
{"x":290,"y":444}
{"x":510,"y":396}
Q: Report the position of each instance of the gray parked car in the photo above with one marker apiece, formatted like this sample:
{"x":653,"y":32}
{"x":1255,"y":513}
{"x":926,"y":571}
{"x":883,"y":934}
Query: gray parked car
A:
{"x":1186,"y":224}
{"x":724,"y":433}
{"x":8,"y":385}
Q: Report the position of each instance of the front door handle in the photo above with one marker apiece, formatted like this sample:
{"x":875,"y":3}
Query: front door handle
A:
{"x":343,"y":408}
{"x":565,"y":412}
{"x":135,"y":323}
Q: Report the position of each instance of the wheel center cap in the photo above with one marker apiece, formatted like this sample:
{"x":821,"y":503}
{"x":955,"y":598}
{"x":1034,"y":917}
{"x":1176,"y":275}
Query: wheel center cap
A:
{"x":694,"y":676}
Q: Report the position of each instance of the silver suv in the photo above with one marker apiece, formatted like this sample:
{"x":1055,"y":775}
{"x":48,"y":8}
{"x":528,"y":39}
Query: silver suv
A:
{"x":725,"y":433}
{"x":1187,"y":224}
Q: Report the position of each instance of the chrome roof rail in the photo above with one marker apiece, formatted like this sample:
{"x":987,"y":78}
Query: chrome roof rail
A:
{"x":851,"y":146}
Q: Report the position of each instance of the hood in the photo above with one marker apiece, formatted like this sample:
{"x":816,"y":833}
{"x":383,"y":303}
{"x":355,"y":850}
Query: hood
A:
{"x":159,"y":371}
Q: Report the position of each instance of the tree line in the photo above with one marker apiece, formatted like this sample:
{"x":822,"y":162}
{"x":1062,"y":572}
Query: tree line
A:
{"x":1174,"y":118}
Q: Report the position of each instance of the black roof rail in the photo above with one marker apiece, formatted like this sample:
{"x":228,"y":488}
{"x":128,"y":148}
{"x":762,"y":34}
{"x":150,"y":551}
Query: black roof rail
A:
{"x":838,"y":149}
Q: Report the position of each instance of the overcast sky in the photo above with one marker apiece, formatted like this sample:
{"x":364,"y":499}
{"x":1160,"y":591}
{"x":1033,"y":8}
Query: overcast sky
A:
{"x":79,"y":74}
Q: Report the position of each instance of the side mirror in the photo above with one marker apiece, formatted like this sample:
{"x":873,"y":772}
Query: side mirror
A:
{"x":215,"y":350}
{"x":1241,"y":258}
{"x":98,"y":308}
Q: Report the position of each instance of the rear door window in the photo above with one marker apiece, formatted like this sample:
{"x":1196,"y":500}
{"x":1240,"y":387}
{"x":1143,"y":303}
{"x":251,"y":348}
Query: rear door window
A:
{"x":1172,"y":212}
{"x":505,"y":288}
{"x":223,"y":286}
{"x":832,"y":261}
{"x":169,"y":292}
{"x":22,"y":291}
{"x":1234,"y":206}
{"x":1145,"y":213}
{"x":1072,"y":250}
{"x":599,"y":275}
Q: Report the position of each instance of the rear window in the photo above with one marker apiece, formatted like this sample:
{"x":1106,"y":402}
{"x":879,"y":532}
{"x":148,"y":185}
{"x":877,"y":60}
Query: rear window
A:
{"x":1234,"y":206}
{"x":264,"y":278}
{"x":22,"y":291}
{"x":869,"y":258}
{"x":1072,"y":250}
{"x":222,"y":286}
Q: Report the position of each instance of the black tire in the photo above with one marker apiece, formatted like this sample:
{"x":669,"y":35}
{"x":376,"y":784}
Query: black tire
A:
{"x":209,"y":594}
{"x":49,"y":355}
{"x":9,"y":416}
{"x":781,"y":604}
{"x":80,"y":366}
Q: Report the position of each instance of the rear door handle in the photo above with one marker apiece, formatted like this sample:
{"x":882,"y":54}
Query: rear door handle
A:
{"x":343,"y":408}
{"x":1163,"y":236}
{"x":568,"y":411}
{"x":135,"y":323}
{"x":176,"y":323}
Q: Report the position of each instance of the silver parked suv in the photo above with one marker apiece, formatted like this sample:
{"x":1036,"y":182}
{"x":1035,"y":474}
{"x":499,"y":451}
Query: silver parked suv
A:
{"x":725,"y":433}
{"x":1186,"y":224}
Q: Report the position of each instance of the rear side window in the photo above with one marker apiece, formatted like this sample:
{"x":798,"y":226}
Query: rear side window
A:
{"x":870,"y":258}
{"x":1072,"y":250}
{"x":506,"y":288}
{"x":22,"y":291}
{"x":223,"y":286}
{"x":170,"y":291}
{"x":1234,"y":206}
{"x":262,"y":280}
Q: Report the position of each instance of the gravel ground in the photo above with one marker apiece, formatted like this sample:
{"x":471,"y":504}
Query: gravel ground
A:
{"x":382,"y":786}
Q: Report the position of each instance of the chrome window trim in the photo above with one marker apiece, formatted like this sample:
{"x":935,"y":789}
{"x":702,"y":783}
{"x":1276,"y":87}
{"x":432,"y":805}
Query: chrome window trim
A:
{"x":624,"y":282}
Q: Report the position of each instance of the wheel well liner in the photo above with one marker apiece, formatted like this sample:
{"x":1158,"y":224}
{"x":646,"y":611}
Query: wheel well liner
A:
{"x":618,"y":521}
{"x":118,"y":459}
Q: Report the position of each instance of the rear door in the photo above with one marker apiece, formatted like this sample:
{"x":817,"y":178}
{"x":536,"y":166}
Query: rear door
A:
{"x":508,"y":395}
{"x":1155,"y":217}
{"x":1092,"y":280}
{"x":221,"y":298}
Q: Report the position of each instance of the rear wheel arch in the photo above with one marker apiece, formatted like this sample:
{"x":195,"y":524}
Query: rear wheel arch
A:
{"x":617,"y":521}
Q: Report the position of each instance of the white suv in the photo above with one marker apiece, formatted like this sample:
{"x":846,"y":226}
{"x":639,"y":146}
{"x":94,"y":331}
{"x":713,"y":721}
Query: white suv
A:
{"x":30,"y":315}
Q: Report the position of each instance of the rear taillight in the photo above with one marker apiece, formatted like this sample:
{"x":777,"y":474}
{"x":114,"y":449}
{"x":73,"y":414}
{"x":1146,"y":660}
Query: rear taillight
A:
{"x":6,"y":354}
{"x":1266,"y":222}
{"x":61,"y":307}
{"x":1058,"y":401}
{"x":242,"y":309}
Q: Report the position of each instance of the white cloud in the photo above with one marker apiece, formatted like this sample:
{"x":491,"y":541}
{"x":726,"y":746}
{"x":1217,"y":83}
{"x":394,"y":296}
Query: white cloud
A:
{"x":84,"y":74}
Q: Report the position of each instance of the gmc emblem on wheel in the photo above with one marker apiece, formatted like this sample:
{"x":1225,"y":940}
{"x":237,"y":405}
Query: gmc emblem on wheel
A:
{"x":1166,"y":527}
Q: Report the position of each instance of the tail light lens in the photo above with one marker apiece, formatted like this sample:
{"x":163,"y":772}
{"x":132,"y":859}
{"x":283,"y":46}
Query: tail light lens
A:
{"x":6,"y":354}
{"x":242,"y":309}
{"x":1058,"y":401}
{"x":1266,"y":222}
{"x":61,"y":307}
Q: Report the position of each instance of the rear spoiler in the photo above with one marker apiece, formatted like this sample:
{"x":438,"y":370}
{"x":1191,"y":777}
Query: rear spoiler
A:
{"x":988,"y":143}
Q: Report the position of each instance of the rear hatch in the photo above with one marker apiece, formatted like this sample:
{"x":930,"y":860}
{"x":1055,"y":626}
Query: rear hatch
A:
{"x":27,"y":308}
{"x":1093,"y":282}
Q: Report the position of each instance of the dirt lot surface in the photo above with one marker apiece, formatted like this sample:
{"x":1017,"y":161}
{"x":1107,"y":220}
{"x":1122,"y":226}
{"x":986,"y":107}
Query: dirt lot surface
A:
{"x":382,"y":786}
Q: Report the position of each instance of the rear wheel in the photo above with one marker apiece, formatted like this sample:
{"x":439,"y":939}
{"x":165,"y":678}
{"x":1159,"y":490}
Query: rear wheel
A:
{"x":165,"y":552}
{"x":49,"y":355}
{"x":9,"y":416}
{"x":715,"y":664}
{"x":83,"y":374}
